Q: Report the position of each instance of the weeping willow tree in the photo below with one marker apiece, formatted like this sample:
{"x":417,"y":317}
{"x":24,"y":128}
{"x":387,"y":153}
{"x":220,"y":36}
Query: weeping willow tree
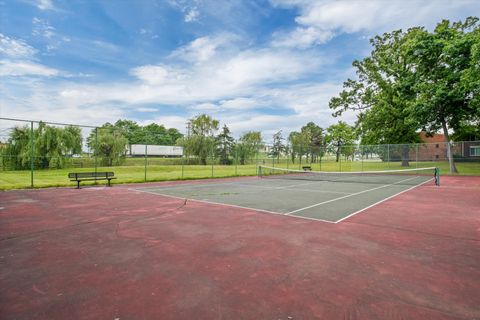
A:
{"x":51,"y":147}
{"x":108,"y":144}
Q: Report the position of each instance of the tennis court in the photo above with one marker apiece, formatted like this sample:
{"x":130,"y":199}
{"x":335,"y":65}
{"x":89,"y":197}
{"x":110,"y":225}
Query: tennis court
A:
{"x":119,"y":253}
{"x":324,"y":196}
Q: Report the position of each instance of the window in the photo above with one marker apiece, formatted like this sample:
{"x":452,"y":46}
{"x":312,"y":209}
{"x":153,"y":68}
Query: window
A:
{"x":436,"y":146}
{"x":475,"y":151}
{"x":436,"y":156}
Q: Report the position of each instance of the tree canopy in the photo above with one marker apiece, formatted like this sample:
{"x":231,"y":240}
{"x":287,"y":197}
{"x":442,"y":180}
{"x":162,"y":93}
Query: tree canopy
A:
{"x":248,"y":145}
{"x":153,"y":134}
{"x":201,"y":141}
{"x":338,"y":137}
{"x":109,"y":144}
{"x":51,"y":146}
{"x":225,"y":144}
{"x":415,"y":80}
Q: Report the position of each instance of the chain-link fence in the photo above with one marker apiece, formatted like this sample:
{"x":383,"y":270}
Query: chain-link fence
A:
{"x":41,"y":154}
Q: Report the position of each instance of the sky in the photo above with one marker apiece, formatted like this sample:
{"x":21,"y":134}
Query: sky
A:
{"x":253,"y":65}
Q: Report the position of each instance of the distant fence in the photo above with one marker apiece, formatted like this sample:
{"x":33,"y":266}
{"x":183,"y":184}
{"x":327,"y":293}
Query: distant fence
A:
{"x":33,"y":161}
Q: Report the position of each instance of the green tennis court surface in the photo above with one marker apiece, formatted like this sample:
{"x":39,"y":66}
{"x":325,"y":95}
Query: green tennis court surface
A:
{"x":330,"y":197}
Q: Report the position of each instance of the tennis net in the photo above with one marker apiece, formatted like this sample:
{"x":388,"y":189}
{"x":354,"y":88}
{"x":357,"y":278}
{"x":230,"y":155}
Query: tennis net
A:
{"x":401,"y":177}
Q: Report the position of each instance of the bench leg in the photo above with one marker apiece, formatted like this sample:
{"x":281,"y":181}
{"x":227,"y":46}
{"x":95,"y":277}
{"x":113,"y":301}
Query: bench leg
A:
{"x":78,"y":184}
{"x":109,"y":182}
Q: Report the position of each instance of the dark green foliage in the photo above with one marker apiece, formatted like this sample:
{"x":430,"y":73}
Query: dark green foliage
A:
{"x":416,"y":80}
{"x":108,"y":144}
{"x":201,"y":142}
{"x":338,"y":137}
{"x":224,"y":144}
{"x":51,"y":146}
{"x":278,"y":146}
{"x":248,"y":146}
{"x":152,"y":134}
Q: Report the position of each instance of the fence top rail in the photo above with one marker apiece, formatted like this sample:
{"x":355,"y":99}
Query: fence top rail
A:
{"x":48,"y":122}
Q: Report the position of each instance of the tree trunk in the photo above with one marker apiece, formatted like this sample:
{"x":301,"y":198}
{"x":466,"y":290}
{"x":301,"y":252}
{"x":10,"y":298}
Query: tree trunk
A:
{"x":453,"y":168}
{"x":338,"y":154}
{"x":405,"y":156}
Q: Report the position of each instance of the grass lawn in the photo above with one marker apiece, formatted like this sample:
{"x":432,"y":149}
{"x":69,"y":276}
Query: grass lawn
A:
{"x":136,"y":173}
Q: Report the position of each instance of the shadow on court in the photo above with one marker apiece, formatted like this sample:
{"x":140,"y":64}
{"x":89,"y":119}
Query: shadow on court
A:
{"x":119,"y":253}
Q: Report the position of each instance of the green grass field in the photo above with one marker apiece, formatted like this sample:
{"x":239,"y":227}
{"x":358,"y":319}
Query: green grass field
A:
{"x":134,"y":171}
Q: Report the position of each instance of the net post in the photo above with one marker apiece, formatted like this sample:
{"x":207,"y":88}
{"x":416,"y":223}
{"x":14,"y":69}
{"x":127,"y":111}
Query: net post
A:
{"x":437,"y":176}
{"x":259,"y":171}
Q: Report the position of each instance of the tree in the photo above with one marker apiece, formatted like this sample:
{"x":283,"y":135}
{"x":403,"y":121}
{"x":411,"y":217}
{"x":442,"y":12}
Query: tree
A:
{"x":339,"y":136}
{"x":297,"y":143}
{"x":224,"y":144}
{"x":468,"y":131}
{"x":108,"y":143}
{"x":201,"y":141}
{"x":447,"y":66}
{"x":278,"y":147}
{"x":313,"y":136}
{"x":153,"y":133}
{"x":382,"y":94}
{"x":248,"y":145}
{"x":51,"y":146}
{"x":130,"y":130}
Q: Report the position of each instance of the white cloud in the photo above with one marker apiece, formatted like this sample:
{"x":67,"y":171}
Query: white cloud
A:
{"x":320,"y":20}
{"x":25,"y":68}
{"x":205,"y":48}
{"x":143,"y":109}
{"x":151,"y":74}
{"x":302,"y":37}
{"x":192,"y":15}
{"x":42,"y":28}
{"x":45,"y":4}
{"x":15,"y":48}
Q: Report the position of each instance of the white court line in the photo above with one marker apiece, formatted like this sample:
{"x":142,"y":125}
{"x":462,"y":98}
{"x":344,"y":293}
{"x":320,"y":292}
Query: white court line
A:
{"x":184,"y":186}
{"x":230,"y":205}
{"x":193,"y":186}
{"x":396,"y":194}
{"x":347,"y":196}
{"x":277,"y":188}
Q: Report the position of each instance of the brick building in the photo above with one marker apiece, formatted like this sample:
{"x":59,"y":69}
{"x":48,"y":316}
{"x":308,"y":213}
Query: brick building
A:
{"x":433,"y":148}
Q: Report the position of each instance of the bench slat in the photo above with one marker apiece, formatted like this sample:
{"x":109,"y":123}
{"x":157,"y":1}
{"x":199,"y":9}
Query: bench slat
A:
{"x":81,"y":175}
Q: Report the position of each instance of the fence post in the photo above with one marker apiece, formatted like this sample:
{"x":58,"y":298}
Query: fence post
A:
{"x":362,"y":151}
{"x":212,"y":158}
{"x":256,"y":160}
{"x":31,"y":154}
{"x":300,"y":158}
{"x":146,"y":162}
{"x":388,"y":156}
{"x":340,"y":160}
{"x":183,"y":162}
{"x":416,"y":155}
{"x":95,"y":152}
{"x":236,"y":161}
